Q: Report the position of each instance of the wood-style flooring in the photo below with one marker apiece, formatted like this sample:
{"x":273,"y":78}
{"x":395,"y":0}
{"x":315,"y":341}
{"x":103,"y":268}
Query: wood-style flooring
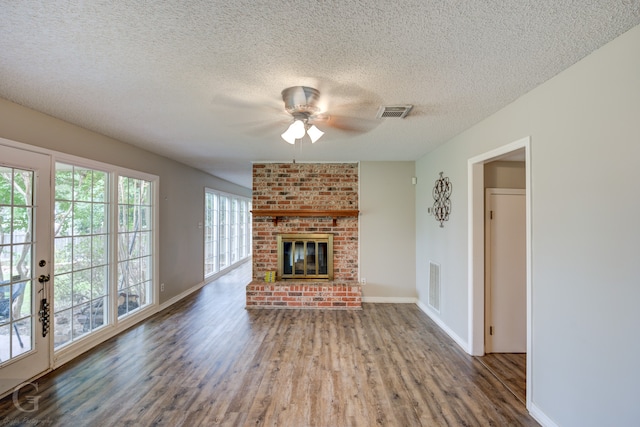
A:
{"x":208,"y":361}
{"x":511,"y":370}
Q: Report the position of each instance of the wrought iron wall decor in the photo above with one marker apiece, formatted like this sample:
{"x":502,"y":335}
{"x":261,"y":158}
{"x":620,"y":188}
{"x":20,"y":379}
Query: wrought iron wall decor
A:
{"x":442,"y":204}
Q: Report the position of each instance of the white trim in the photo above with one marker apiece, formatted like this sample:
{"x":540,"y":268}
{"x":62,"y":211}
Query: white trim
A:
{"x":433,"y":316}
{"x":541,"y":417}
{"x":168,"y":303}
{"x":390,"y":300}
{"x":476,"y":251}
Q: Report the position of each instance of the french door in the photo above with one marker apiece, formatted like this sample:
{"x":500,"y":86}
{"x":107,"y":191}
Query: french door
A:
{"x":25,"y":265}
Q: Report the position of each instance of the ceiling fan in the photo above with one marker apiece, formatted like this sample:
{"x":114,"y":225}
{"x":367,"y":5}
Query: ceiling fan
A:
{"x":304,"y":104}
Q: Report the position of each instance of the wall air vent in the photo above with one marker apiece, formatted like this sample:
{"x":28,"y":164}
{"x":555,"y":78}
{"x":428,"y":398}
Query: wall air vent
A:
{"x":434,"y":286}
{"x":399,"y":111}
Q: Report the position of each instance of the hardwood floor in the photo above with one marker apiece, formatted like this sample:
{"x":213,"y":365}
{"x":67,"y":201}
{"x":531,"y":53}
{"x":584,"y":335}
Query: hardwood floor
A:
{"x":511,"y":370}
{"x":208,"y":361}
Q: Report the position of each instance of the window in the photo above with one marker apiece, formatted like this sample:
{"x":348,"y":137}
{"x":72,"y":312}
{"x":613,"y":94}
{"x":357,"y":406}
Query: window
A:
{"x":103,"y":249}
{"x":134,"y":244}
{"x":210,"y":234}
{"x":81,"y":252}
{"x":227,"y":231}
{"x":233,"y":230}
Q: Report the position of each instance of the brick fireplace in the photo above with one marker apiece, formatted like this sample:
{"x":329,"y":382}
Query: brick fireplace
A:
{"x":305,"y":199}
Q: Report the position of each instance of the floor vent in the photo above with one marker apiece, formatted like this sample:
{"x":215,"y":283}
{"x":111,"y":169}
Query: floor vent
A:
{"x":399,"y":111}
{"x":434,"y":286}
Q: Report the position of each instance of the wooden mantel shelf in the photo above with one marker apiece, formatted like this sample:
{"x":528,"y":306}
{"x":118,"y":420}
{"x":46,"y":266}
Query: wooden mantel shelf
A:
{"x":335,"y":214}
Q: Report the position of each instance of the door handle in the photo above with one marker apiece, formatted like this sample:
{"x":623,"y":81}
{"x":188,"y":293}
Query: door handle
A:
{"x":43,"y":278}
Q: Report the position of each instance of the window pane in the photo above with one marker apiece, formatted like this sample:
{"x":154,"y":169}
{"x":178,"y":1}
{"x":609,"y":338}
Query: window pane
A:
{"x":63,"y":255}
{"x":82,"y":218}
{"x":81,"y":252}
{"x":22,"y":191}
{"x":99,"y":189}
{"x":6,"y":182}
{"x":62,"y":292}
{"x":99,"y":246}
{"x":82,"y":182}
{"x":99,"y":218}
{"x":64,"y":182}
{"x":63,"y":225}
{"x":62,"y":326}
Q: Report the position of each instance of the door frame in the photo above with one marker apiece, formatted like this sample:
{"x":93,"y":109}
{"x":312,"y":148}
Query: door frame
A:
{"x":476,"y":250}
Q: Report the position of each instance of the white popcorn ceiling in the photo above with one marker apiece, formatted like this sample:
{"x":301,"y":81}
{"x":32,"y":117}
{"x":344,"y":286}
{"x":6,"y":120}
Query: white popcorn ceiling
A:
{"x":200,"y":81}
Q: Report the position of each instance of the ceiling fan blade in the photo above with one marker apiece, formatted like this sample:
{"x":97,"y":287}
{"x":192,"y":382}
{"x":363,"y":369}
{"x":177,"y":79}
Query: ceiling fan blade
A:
{"x":351,"y":124}
{"x":263,"y":128}
{"x":223,"y":102}
{"x":354,"y":117}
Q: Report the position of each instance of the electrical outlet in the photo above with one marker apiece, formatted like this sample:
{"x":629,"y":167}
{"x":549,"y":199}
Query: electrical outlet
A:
{"x":363,"y":281}
{"x":161,"y":287}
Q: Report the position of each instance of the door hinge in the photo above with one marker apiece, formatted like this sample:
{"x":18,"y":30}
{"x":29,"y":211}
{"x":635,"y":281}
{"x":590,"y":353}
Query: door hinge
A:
{"x":490,"y":330}
{"x":490,"y":214}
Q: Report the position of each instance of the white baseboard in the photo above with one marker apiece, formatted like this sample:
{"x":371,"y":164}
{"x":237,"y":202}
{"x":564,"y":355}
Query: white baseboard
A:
{"x":433,"y":316}
{"x":168,"y":303}
{"x":392,"y":300}
{"x":541,"y":417}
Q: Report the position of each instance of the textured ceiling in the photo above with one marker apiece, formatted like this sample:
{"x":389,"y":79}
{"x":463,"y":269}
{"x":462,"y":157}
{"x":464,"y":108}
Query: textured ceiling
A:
{"x":200,"y":81}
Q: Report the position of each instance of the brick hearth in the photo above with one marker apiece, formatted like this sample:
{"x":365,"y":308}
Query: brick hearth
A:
{"x":305,"y":186}
{"x":304,"y":295}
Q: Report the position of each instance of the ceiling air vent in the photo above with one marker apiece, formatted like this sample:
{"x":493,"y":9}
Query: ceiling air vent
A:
{"x":399,"y":111}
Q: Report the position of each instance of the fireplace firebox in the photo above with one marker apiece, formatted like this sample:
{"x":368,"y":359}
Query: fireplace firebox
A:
{"x":305,"y":256}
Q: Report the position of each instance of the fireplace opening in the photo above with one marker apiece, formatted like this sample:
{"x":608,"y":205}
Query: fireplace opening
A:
{"x":305,"y":256}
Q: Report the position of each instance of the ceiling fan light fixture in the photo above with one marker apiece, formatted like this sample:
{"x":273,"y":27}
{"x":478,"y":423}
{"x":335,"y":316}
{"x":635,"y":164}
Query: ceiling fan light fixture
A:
{"x":295,"y":131}
{"x":314,"y":133}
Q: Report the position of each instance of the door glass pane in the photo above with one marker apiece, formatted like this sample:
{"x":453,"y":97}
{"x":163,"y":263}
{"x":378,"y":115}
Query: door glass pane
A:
{"x":287,"y":257}
{"x":16,"y":248}
{"x":299,"y":258}
{"x":311,"y":258}
{"x":322,"y":258}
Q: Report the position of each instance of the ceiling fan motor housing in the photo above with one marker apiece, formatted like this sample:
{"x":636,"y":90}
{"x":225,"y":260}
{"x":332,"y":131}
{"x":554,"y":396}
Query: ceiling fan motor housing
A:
{"x":301,"y":101}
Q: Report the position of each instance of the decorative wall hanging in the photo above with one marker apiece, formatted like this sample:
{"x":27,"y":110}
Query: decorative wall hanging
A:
{"x":442,"y":204}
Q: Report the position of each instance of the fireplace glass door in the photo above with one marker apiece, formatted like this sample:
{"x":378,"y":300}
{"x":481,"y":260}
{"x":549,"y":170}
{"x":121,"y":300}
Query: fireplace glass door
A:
{"x":305,"y":256}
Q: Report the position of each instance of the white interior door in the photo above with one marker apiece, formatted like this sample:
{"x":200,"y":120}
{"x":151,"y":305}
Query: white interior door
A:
{"x":506,"y":289}
{"x":25,"y":245}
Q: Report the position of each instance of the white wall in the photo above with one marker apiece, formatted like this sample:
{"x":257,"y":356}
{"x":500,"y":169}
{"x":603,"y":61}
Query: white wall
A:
{"x":584,"y":126}
{"x":387,"y":231}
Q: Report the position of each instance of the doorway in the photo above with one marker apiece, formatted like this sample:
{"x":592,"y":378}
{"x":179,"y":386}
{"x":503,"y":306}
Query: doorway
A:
{"x":476,"y":168}
{"x":25,"y":246}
